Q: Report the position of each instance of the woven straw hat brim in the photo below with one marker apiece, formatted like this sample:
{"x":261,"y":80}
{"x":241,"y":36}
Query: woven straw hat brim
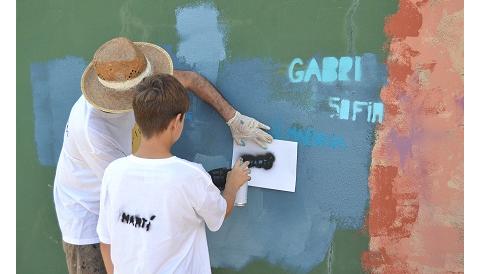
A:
{"x":114,"y":101}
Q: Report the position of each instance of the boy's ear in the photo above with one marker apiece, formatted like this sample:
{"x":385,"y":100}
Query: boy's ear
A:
{"x":180,"y":117}
{"x":177,"y":120}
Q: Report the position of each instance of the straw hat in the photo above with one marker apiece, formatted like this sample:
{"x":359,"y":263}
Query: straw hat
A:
{"x":109,"y":81}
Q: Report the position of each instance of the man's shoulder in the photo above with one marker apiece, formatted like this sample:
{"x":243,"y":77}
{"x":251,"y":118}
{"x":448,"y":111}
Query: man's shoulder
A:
{"x":81,"y":123}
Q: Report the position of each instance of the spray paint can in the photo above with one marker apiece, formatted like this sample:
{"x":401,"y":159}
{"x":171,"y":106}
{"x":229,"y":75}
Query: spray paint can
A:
{"x":241,"y":198}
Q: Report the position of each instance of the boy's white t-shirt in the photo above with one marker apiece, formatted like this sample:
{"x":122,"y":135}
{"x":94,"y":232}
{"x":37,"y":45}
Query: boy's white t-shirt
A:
{"x":153,"y":214}
{"x":92,"y":140}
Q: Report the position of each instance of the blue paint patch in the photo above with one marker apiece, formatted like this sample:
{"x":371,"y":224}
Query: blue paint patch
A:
{"x":309,"y":137}
{"x":188,"y":116}
{"x":210,"y":162}
{"x":201,"y":39}
{"x":55,"y":88}
{"x":291,"y":229}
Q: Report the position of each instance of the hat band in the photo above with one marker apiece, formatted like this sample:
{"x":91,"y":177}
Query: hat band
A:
{"x":128,"y":84}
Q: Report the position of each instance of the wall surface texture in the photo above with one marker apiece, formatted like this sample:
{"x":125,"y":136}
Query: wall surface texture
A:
{"x":416,"y":178}
{"x":371,"y":90}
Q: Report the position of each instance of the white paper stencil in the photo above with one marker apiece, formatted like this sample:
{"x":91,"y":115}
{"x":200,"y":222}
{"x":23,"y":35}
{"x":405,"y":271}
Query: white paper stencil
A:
{"x":282,"y":175}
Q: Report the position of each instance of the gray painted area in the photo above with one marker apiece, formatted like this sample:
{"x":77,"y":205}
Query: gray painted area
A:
{"x":201,"y":39}
{"x":332,"y":176}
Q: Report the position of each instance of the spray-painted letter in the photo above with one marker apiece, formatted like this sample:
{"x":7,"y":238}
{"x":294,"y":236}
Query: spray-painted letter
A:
{"x":344,"y":67}
{"x":329,"y":69}
{"x":377,"y":112}
{"x":357,"y":108}
{"x":313,"y":69}
{"x":358,"y":70}
{"x":296,"y":77}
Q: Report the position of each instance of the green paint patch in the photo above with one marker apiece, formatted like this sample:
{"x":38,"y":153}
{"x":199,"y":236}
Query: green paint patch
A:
{"x":280,"y":30}
{"x":285,"y":29}
{"x":370,"y":20}
{"x":348,"y":247}
{"x":288,"y":29}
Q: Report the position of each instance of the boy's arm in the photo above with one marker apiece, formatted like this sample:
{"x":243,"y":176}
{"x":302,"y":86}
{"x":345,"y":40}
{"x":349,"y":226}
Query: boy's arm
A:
{"x":107,"y":259}
{"x":243,"y":128}
{"x":229,"y":195}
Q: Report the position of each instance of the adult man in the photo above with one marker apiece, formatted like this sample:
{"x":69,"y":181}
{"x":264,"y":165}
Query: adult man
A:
{"x":98,"y":131}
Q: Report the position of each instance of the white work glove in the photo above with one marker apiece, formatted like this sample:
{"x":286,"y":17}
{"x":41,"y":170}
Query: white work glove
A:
{"x":244,"y":128}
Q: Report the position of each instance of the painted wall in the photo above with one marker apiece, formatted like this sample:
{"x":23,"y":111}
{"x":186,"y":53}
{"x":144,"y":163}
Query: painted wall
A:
{"x":341,"y":77}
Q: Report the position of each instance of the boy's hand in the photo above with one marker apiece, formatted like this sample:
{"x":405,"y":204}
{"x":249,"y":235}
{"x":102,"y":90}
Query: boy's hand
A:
{"x":245,"y":128}
{"x":239,"y":175}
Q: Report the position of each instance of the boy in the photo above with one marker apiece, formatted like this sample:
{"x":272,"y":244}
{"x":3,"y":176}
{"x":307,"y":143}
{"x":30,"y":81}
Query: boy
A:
{"x":153,"y":205}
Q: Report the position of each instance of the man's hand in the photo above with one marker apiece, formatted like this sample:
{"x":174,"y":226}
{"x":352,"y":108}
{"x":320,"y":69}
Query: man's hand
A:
{"x":244,"y":128}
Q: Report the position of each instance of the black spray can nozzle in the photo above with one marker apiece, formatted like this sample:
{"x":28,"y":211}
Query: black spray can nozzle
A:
{"x":219,"y":175}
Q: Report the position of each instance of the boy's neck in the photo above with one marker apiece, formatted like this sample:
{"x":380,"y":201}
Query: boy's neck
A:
{"x":157,"y":147}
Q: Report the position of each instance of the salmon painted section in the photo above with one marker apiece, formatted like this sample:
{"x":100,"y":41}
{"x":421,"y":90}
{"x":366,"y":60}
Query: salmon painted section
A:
{"x":415,"y":218}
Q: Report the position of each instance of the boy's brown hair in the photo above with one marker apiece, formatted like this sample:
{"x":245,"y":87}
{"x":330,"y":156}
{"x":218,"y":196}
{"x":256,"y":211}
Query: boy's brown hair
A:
{"x":159,"y":99}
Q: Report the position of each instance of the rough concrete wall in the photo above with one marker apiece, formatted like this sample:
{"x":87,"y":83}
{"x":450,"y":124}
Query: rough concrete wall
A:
{"x":416,"y":181}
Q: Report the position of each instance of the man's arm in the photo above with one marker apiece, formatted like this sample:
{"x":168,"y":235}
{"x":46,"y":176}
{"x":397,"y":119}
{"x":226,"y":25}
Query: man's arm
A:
{"x":206,"y":91}
{"x":107,"y":259}
{"x":242,"y":127}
